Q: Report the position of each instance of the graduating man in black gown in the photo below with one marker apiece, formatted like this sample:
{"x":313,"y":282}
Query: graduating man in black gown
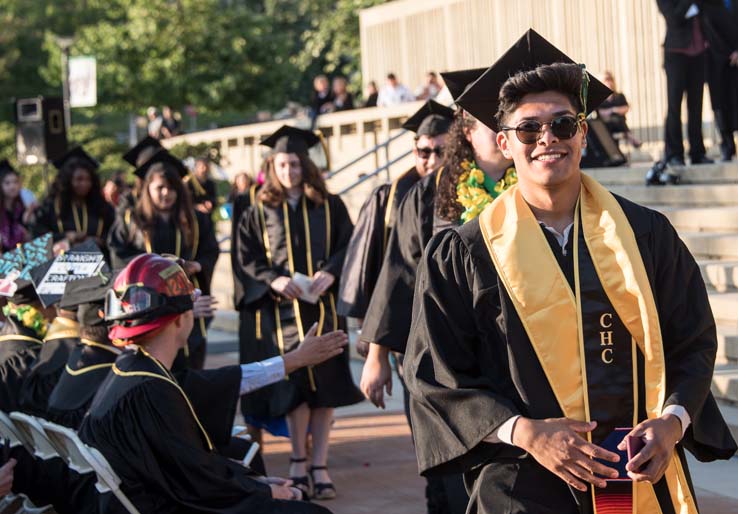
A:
{"x":559,"y":315}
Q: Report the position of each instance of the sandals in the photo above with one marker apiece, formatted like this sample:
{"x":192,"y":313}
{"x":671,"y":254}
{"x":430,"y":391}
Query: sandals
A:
{"x":302,"y":482}
{"x":322,"y":490}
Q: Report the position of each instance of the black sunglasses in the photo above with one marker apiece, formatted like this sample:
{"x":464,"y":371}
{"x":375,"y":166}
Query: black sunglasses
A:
{"x":425,"y":152}
{"x":563,"y":127}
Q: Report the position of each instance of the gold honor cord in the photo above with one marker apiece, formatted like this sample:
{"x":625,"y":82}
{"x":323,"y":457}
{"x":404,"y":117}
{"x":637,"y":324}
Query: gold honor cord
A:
{"x":87,"y":369}
{"x":388,"y":212}
{"x":18,"y":337}
{"x":62,"y":334}
{"x":79,"y":227}
{"x":170,"y":379}
{"x":95,"y":344}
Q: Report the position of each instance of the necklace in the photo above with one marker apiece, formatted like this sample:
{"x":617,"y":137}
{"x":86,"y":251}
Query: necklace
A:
{"x":475,"y":190}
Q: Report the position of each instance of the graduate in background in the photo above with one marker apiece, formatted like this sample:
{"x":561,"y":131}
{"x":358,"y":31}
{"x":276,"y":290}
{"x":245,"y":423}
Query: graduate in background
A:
{"x":137,"y":156}
{"x":74,"y":209}
{"x":378,"y":215}
{"x":295,"y":230}
{"x":164,"y":221}
{"x":559,"y":315}
{"x":143,"y":421}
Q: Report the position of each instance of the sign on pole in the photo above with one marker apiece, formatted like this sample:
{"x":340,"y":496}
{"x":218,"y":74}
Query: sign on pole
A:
{"x":82,"y":81}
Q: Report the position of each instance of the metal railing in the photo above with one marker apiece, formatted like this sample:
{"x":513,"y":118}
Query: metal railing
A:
{"x":374,"y":173}
{"x":384,"y":145}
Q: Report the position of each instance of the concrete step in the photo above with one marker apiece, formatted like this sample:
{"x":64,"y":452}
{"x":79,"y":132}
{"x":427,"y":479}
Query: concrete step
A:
{"x":697,"y":195}
{"x":702,"y":219}
{"x":720,"y":276}
{"x":635,"y":174}
{"x":725,"y":308}
{"x":725,"y":383}
{"x":712,"y":245}
{"x":727,"y":339}
{"x":730,"y":415}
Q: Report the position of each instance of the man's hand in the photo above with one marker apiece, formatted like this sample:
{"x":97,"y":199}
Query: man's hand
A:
{"x":661,"y":436}
{"x":734,"y":58}
{"x":285,"y":492}
{"x":191,"y":267}
{"x":286,"y":287}
{"x":322,"y":280}
{"x":376,"y":375}
{"x":558,"y":446}
{"x":6,"y":477}
{"x":204,"y":307}
{"x":315,"y":349}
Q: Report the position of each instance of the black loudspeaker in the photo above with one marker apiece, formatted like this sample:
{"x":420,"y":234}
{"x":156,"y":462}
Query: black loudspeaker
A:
{"x":602,"y":150}
{"x":40,"y":133}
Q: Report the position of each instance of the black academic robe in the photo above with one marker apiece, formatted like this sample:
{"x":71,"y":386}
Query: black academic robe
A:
{"x":470,"y":366}
{"x":19,"y":349}
{"x":240,"y":205}
{"x":416,"y":224}
{"x":58,"y":217}
{"x":369,"y":240}
{"x":126,"y":241}
{"x":143,"y":424}
{"x":60,"y":341}
{"x":328,"y":384}
{"x":85,"y":369}
{"x":206,"y":194}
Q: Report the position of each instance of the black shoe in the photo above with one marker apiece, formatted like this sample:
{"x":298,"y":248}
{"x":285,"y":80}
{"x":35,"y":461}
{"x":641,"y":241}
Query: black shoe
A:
{"x":303,"y":482}
{"x":668,"y":179}
{"x":702,"y":160}
{"x":675,"y":160}
{"x":726,"y":156}
{"x":322,"y":490}
{"x":653,"y":174}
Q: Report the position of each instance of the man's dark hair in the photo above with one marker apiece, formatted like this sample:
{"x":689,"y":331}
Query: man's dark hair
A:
{"x":391,"y":76}
{"x":560,"y":77}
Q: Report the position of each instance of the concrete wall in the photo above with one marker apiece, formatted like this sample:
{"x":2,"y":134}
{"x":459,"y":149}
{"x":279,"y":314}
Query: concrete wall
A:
{"x":411,"y":37}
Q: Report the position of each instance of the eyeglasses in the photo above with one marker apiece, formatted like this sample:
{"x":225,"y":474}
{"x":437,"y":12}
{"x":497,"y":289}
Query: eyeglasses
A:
{"x":563,"y":127}
{"x":138,"y":300}
{"x":425,"y":151}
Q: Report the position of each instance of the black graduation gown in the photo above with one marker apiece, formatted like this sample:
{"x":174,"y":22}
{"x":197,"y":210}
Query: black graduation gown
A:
{"x":470,"y":366}
{"x":416,"y":224}
{"x":240,"y":204}
{"x":58,"y":218}
{"x":19,"y":349}
{"x":258,"y":336}
{"x":60,"y":341}
{"x":145,"y":428}
{"x":85,"y":369}
{"x":369,"y":240}
{"x":206,"y":194}
{"x":126,"y":241}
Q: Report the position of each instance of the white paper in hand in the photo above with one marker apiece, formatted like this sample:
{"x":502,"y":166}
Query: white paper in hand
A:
{"x":304,"y":282}
{"x":693,"y":11}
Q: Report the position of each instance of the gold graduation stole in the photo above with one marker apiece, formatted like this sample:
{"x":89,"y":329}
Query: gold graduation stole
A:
{"x":543,"y":301}
{"x":62,"y":328}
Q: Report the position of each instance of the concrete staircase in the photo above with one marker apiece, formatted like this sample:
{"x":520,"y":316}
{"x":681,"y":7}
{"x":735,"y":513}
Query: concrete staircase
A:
{"x":704,"y":210}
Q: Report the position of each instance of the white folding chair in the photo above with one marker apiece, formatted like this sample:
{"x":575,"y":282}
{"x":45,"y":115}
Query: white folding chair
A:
{"x":10,"y":432}
{"x":30,"y":508}
{"x":43,"y":448}
{"x":11,"y":504}
{"x":83,"y":459}
{"x":242,"y":432}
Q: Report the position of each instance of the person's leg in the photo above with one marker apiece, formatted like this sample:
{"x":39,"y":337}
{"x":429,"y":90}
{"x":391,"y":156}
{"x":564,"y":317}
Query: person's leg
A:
{"x":297,"y":422}
{"x":675,"y":68}
{"x":321,"y":420}
{"x":695,"y":92}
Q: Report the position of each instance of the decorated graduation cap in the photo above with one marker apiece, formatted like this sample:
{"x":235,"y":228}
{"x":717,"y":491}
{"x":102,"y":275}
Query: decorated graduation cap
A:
{"x":77,"y":153}
{"x":87,"y":297}
{"x":457,"y":82}
{"x":16,"y":265}
{"x":481,"y":98}
{"x":432,"y":119}
{"x":291,"y":140}
{"x":163,"y":157}
{"x":5,"y":166}
{"x":142,"y":152}
{"x":51,"y":277}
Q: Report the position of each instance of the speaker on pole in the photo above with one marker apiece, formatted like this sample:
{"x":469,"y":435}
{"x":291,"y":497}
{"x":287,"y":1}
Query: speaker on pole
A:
{"x":40,"y":133}
{"x":602,"y":150}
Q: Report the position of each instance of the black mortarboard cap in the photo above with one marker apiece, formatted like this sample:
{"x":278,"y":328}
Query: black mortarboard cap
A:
{"x":143,"y":150}
{"x":291,"y":140}
{"x":432,"y":119}
{"x":458,"y":81}
{"x":26,"y":257}
{"x":481,"y":98}
{"x":5,"y":166}
{"x":76,"y":153}
{"x":87,"y":296}
{"x":164,"y":157}
{"x":25,"y":294}
{"x":51,"y":277}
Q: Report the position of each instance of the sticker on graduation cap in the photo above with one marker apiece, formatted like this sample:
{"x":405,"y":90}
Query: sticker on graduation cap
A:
{"x":51,"y":278}
{"x":8,"y":285}
{"x":26,"y":256}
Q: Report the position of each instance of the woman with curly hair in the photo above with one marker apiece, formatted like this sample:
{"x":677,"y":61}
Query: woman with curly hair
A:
{"x":290,"y":249}
{"x":163,"y":221}
{"x":74,"y":209}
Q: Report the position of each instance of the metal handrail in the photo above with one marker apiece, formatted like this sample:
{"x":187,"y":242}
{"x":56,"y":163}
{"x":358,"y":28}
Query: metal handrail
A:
{"x":374,"y":173}
{"x":366,"y":154}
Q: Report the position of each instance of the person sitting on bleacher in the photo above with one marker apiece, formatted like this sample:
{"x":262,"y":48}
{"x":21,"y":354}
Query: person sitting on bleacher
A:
{"x":142,"y":421}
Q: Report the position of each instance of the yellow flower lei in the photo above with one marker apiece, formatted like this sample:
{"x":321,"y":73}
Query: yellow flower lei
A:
{"x":29,"y":316}
{"x":475,"y":190}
